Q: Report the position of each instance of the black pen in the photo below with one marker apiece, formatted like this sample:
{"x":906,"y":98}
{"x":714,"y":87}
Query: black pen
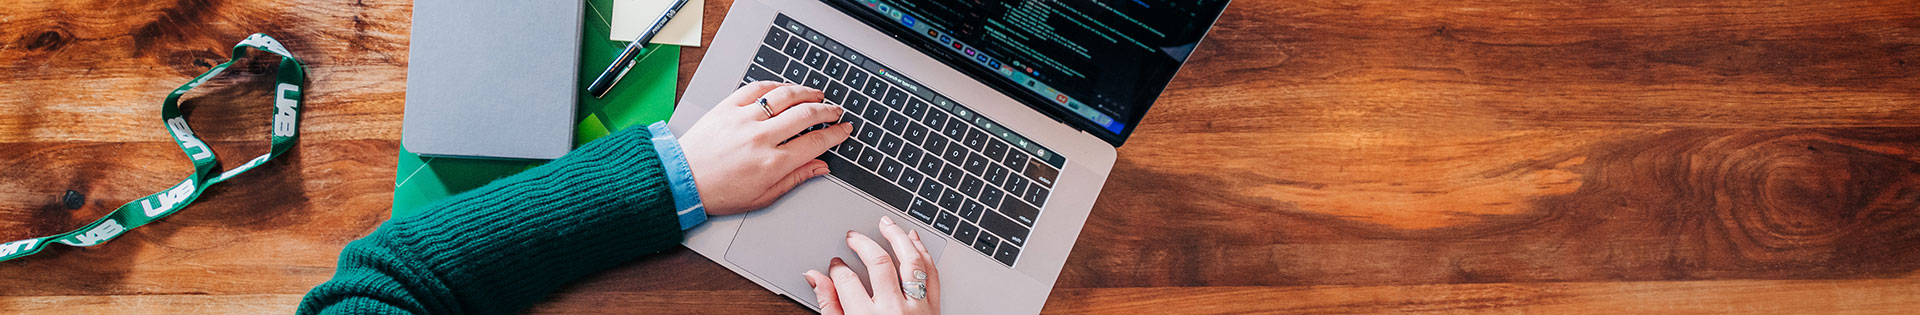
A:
{"x":625,"y":62}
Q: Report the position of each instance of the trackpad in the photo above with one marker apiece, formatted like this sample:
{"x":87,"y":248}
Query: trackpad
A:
{"x":809,"y":227}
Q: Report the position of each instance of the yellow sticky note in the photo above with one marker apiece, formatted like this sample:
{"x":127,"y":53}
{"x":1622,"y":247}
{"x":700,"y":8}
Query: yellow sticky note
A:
{"x":632,"y":17}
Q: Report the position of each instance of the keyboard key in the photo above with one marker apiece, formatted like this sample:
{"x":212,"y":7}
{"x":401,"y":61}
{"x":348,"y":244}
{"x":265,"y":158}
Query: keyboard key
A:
{"x":796,"y":48}
{"x":1020,"y":211}
{"x":930,"y":189}
{"x":895,"y":98}
{"x":769,"y":57}
{"x":951,"y":200}
{"x":956,"y":129}
{"x":836,"y":93}
{"x":873,"y":113}
{"x":1007,"y":254}
{"x":946,"y":222}
{"x":996,"y":174}
{"x":936,"y":145}
{"x":876,"y":88}
{"x":1016,"y":186}
{"x":972,"y":210}
{"x":910,"y":179}
{"x":951,"y":175}
{"x":849,"y":150}
{"x":910,"y":155}
{"x":975,"y":164}
{"x":890,"y":144}
{"x":986,"y":243}
{"x":976,"y":139}
{"x":854,"y":103}
{"x":870,"y":159}
{"x":834,"y":47}
{"x":856,"y":78}
{"x":866,"y":182}
{"x":914,"y":133}
{"x":970,"y":185}
{"x":1041,"y":173}
{"x":890,"y":169}
{"x":756,"y":73}
{"x":955,"y":154}
{"x":930,"y":164}
{"x":934,"y":118}
{"x":836,"y":68}
{"x":795,"y":72}
{"x":965,"y":233}
{"x":895,"y":122}
{"x":1016,"y":159}
{"x":915,"y":108}
{"x":815,"y":37}
{"x":776,"y":38}
{"x":815,"y":80}
{"x":869,"y":133}
{"x":1037,"y":195}
{"x":996,"y":150}
{"x":816,"y":58}
{"x":1006,"y":229}
{"x":922,"y":210}
{"x":991,"y":196}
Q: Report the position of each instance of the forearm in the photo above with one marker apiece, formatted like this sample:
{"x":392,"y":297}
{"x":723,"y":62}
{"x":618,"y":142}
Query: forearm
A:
{"x":504,"y":246}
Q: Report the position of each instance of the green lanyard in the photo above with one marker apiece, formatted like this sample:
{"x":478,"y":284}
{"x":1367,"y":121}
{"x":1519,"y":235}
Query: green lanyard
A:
{"x":290,"y":76}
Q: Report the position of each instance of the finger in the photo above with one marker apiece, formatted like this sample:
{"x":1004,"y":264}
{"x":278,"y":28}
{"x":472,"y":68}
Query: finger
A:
{"x":823,"y":291}
{"x":753,"y":91}
{"x":779,"y":99}
{"x":819,"y":141}
{"x":909,"y":256}
{"x":933,"y":272}
{"x":881,"y":269}
{"x":846,"y":285}
{"x":812,"y":168}
{"x":797,"y":118}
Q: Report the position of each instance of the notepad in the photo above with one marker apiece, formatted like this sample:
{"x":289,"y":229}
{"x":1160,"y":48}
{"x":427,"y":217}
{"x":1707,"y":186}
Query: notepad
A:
{"x":645,"y":96}
{"x":632,"y":17}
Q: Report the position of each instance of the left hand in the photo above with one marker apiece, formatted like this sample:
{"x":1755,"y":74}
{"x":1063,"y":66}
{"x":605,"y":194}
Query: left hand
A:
{"x":842,"y":292}
{"x":741,"y":157}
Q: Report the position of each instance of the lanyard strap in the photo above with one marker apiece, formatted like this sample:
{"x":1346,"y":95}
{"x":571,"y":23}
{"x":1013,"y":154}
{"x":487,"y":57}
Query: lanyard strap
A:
{"x":290,"y":76}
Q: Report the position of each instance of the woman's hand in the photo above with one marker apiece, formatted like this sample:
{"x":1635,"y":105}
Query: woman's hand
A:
{"x":741,"y":157}
{"x":909,"y":285}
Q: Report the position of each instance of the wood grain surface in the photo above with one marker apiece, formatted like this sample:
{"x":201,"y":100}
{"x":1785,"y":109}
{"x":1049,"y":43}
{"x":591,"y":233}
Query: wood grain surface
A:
{"x":1319,"y":156}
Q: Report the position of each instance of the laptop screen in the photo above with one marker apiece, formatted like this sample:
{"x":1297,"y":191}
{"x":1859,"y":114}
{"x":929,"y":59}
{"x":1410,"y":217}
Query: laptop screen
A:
{"x":1098,"y":63}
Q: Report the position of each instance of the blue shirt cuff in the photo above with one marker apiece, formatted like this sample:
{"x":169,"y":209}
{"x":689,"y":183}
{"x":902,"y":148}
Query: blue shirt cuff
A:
{"x":686,"y":196}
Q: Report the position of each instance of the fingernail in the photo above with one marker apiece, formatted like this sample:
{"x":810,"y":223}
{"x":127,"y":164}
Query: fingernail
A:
{"x":887,"y":220}
{"x":837,"y":261}
{"x":915,"y":234}
{"x":809,"y":276}
{"x":849,"y":233}
{"x":821,"y":171}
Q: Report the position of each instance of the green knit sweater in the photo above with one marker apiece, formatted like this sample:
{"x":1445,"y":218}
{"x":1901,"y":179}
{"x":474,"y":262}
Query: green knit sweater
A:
{"x":506,"y":245}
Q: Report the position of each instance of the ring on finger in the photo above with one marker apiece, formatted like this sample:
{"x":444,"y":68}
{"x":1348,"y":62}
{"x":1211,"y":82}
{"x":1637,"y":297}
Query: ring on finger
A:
{"x":764,"y":107}
{"x":917,"y":288}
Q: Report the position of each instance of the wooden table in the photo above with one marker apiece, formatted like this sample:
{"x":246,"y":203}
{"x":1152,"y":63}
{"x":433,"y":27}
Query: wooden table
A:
{"x":1315,"y":156}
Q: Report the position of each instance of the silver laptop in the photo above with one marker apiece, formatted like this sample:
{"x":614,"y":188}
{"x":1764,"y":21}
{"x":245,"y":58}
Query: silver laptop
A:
{"x":990,"y":123}
{"x":492,"y":79}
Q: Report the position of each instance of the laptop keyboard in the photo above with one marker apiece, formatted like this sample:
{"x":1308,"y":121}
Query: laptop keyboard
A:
{"x":914,"y":149}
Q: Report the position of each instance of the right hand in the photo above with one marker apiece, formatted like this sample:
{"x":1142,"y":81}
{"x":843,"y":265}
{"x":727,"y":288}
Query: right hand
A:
{"x":842,"y":293}
{"x":740,"y":156}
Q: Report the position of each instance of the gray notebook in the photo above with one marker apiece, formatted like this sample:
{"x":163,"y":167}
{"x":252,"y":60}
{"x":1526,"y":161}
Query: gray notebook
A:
{"x":492,"y":78}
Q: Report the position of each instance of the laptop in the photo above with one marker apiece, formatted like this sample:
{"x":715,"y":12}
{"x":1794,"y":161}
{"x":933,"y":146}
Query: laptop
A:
{"x":988,"y":125}
{"x":489,"y":79}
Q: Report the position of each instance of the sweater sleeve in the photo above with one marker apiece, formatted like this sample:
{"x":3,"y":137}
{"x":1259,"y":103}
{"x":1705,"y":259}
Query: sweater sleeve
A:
{"x":504,"y":246}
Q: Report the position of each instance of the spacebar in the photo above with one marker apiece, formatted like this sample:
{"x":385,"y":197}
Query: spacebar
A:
{"x":872,"y":184}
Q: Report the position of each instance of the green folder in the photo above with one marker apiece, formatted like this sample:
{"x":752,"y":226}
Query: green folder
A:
{"x":643,"y":97}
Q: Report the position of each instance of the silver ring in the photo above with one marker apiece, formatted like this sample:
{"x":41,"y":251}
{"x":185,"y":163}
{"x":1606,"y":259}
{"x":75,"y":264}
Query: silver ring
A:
{"x":916,"y":289}
{"x":764,"y":107}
